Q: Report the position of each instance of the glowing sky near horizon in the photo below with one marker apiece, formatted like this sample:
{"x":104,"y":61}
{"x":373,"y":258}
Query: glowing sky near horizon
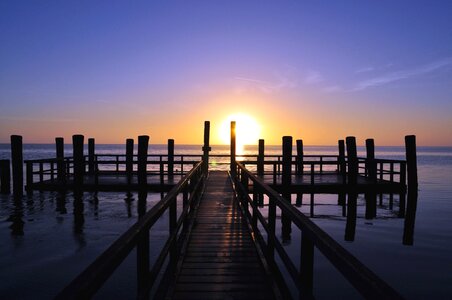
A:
{"x":315,"y":70}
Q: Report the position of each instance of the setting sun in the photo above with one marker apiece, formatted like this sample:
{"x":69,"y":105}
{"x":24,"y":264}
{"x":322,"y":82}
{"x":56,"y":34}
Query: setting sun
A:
{"x":247,"y":130}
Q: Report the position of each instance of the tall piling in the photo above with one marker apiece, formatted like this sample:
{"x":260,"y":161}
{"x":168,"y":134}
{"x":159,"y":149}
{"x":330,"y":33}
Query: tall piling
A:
{"x":59,"y":147}
{"x":5,"y":176}
{"x":170,"y":159}
{"x":91,"y":156}
{"x":79,"y":159}
{"x":371,"y":171}
{"x":300,"y":169}
{"x":129,"y":160}
{"x":206,"y":147}
{"x":143,"y":143}
{"x":233,"y":148}
{"x":352,"y":178}
{"x":17,"y":164}
{"x":286,"y":180}
{"x":412,"y":178}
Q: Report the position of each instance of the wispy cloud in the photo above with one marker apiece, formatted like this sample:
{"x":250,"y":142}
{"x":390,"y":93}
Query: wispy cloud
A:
{"x":269,"y":87}
{"x":332,"y":89}
{"x":365,"y":70}
{"x":403,"y":74}
{"x":313,"y":77}
{"x":54,"y":120}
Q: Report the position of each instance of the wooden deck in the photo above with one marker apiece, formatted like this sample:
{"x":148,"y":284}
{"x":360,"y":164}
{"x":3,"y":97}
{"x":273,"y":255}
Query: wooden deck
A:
{"x":221,"y":260}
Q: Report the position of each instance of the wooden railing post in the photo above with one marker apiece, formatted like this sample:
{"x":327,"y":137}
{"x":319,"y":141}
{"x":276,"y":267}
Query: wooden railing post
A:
{"x":233,"y":148}
{"x":61,"y":170}
{"x":143,"y":142}
{"x":206,"y":148}
{"x":170,"y":159}
{"x":260,"y":158}
{"x":286,"y":180}
{"x":300,"y":169}
{"x":17,"y":164}
{"x":91,"y":155}
{"x":5,"y":176}
{"x":129,"y":160}
{"x":341,"y":160}
{"x":79,"y":159}
{"x":371,"y":173}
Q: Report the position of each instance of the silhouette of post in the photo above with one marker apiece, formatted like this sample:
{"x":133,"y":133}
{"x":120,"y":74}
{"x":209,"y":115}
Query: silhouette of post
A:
{"x":17,"y":164}
{"x":233,"y":146}
{"x":371,"y":171}
{"x":260,"y":170}
{"x":352,"y":176}
{"x":341,"y":168}
{"x":129,"y":160}
{"x":79,"y":159}
{"x":5,"y":176}
{"x":91,"y":155}
{"x":170,"y":159}
{"x":300,"y":168}
{"x":286,"y":181}
{"x":411,"y":160}
{"x":143,"y":142}
{"x":61,"y":170}
{"x":206,"y":148}
{"x":352,"y":160}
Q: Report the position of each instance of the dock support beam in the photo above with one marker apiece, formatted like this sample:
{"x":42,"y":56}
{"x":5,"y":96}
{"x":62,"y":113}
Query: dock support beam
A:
{"x":170,"y":159}
{"x":286,"y":181}
{"x":17,"y":164}
{"x":233,"y":148}
{"x":411,"y":161}
{"x":91,"y":155}
{"x":371,"y":172}
{"x":206,"y":148}
{"x":352,"y":159}
{"x":61,"y":170}
{"x":79,"y":159}
{"x":5,"y":176}
{"x":129,"y":160}
{"x":143,"y":142}
{"x":300,"y":169}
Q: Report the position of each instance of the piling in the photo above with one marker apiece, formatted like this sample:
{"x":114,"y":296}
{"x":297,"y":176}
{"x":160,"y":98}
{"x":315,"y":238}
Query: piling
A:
{"x":300,"y":168}
{"x":233,"y":146}
{"x":352,"y":159}
{"x":170,"y":159}
{"x":61,"y":171}
{"x":260,"y":158}
{"x":17,"y":164}
{"x":286,"y":180}
{"x":352,"y":177}
{"x":341,"y":167}
{"x":206,"y":148}
{"x":129,"y":160}
{"x":411,"y":167}
{"x":91,"y":155}
{"x":143,"y":142}
{"x":5,"y":176}
{"x":371,"y":172}
{"x":79,"y":159}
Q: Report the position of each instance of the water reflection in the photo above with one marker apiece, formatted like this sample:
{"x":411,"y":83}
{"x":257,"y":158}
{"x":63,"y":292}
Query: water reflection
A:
{"x":79,"y":218}
{"x":16,"y":217}
{"x":128,"y":200}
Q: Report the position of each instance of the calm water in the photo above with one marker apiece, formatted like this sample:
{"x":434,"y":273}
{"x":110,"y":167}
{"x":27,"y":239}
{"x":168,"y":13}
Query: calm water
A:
{"x":48,"y":238}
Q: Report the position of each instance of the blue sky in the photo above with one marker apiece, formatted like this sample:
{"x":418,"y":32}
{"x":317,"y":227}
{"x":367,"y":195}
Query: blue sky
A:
{"x":318,"y":70}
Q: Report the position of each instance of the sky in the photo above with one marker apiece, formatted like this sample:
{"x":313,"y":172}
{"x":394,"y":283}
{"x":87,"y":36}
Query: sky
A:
{"x":315,"y":70}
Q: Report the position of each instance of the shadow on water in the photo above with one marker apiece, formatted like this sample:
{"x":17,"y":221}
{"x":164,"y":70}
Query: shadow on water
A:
{"x":128,"y":200}
{"x":16,"y":217}
{"x":79,"y":219}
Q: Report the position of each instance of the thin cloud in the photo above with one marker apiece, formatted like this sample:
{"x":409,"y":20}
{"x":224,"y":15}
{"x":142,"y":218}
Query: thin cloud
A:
{"x":269,"y":87}
{"x":365,"y":70}
{"x":404,"y":74}
{"x":332,"y":89}
{"x":313,"y":78}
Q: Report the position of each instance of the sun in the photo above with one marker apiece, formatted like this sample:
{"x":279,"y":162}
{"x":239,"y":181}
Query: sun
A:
{"x":246,"y":128}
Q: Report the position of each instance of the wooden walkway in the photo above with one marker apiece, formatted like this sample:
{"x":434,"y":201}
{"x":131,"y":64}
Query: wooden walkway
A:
{"x":221,"y":259}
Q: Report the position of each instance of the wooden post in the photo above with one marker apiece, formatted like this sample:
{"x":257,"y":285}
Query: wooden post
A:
{"x":286,"y":180}
{"x":371,"y":171}
{"x":260,"y":169}
{"x":260,"y":158}
{"x":233,"y":146}
{"x":5,"y":176}
{"x":170,"y":159}
{"x":352,"y":160}
{"x":143,"y":257}
{"x":17,"y":164}
{"x":91,"y":155}
{"x":306,"y":266}
{"x":206,"y":148}
{"x":129,"y":160}
{"x":61,"y":171}
{"x":143,"y":142}
{"x":350,"y":224}
{"x":411,"y":161}
{"x":300,"y":168}
{"x":79,"y":159}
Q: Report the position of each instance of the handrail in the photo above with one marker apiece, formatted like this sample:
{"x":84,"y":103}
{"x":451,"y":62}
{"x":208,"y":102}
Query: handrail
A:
{"x":86,"y":284}
{"x":362,"y":278}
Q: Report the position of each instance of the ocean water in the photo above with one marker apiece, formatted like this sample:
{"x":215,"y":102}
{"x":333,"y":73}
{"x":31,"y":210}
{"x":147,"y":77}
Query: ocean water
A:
{"x":48,"y":238}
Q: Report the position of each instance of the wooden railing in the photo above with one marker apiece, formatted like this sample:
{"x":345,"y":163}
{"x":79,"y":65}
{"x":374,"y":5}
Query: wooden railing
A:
{"x":363,"y":279}
{"x":85,"y":285}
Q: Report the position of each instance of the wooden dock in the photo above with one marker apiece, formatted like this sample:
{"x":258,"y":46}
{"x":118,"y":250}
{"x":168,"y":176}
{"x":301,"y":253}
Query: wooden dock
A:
{"x":221,"y":260}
